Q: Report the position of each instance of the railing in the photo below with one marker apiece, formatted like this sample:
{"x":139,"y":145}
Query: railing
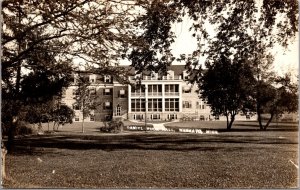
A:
{"x":171,"y":78}
{"x":157,"y":78}
{"x":142,"y":94}
{"x":171,"y":93}
{"x":154,"y":93}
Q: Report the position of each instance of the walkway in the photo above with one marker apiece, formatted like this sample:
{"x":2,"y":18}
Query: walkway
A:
{"x":159,"y":127}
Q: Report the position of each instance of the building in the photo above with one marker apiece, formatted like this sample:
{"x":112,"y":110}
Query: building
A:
{"x":164,"y":98}
{"x":111,"y":98}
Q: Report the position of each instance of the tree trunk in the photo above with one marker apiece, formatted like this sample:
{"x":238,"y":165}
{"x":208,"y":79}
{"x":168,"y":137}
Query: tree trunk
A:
{"x":269,"y":121}
{"x":57,"y":127}
{"x":3,"y":154}
{"x":40,"y":127}
{"x":54,"y":122}
{"x":11,"y":134}
{"x":82,"y":129}
{"x":227,"y":123}
{"x":231,"y":122}
{"x":261,"y":127}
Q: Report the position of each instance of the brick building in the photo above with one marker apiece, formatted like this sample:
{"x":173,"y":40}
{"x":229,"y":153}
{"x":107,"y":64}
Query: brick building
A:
{"x":159,"y":98}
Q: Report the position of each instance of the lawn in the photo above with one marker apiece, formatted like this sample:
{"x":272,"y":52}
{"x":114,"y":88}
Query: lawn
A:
{"x":237,"y":159}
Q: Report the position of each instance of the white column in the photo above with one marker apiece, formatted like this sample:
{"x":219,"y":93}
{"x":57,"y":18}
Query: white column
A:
{"x":129,"y":99}
{"x":180,"y":97}
{"x":146,"y":99}
{"x":163,"y":97}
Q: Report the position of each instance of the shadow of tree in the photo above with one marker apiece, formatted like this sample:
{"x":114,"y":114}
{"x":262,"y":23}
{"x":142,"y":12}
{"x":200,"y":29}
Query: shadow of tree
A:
{"x":143,"y":141}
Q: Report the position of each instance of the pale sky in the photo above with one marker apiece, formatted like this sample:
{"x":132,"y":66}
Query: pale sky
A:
{"x":285,"y":60}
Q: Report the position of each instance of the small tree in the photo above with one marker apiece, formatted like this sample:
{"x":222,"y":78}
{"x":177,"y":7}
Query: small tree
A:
{"x":84,"y":99}
{"x":62,"y":115}
{"x":226,"y":88}
{"x":39,"y":113}
{"x":276,"y":99}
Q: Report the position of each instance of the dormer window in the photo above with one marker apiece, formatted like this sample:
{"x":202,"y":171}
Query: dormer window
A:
{"x":185,"y":75}
{"x":170,"y":74}
{"x":92,"y":78}
{"x":154,"y":75}
{"x":107,"y":78}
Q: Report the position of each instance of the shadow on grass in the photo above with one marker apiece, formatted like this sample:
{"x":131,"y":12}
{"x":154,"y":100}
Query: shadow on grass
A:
{"x":248,"y":127}
{"x":142,"y":141}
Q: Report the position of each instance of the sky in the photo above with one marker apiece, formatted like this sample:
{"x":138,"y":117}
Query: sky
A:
{"x":286,"y":60}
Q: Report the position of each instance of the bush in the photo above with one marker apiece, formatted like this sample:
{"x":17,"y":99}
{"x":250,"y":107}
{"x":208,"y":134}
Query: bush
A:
{"x":112,"y":126}
{"x":22,"y":128}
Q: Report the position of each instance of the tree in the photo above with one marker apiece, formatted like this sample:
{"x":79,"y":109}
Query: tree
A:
{"x":276,"y":99}
{"x":84,"y":98}
{"x":152,"y":51}
{"x":226,"y":87}
{"x":42,"y":40}
{"x":240,"y":25}
{"x":39,"y":113}
{"x":62,"y":114}
{"x":244,"y":32}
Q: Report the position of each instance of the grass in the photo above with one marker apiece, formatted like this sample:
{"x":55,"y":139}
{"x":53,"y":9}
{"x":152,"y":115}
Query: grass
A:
{"x":237,"y":159}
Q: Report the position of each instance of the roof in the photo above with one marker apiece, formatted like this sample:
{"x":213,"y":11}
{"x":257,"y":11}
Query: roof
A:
{"x":178,"y":69}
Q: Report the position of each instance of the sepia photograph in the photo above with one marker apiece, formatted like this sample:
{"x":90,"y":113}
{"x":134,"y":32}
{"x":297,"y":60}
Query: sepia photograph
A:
{"x":149,"y":94}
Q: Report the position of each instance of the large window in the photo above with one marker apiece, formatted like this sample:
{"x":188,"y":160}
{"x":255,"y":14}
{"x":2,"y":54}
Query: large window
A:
{"x":154,"y":90}
{"x":138,"y":91}
{"x":155,"y":104}
{"x":171,"y":89}
{"x":171,"y":104}
{"x":138,"y":105}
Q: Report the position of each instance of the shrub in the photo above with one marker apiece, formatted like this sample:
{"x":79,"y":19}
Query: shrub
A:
{"x":112,"y":126}
{"x":22,"y":128}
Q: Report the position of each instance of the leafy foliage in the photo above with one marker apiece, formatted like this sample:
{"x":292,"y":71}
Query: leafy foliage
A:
{"x":63,"y":114}
{"x":226,"y":87}
{"x":243,"y":34}
{"x":152,"y":52}
{"x":84,"y":99}
{"x":43,"y":41}
{"x":276,"y":98}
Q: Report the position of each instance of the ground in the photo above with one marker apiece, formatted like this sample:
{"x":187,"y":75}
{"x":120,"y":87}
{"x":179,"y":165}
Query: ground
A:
{"x":242,"y":158}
